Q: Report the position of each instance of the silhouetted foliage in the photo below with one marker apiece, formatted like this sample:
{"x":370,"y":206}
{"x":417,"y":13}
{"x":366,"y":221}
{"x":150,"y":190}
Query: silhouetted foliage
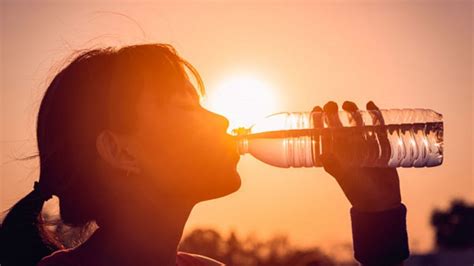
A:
{"x":251,"y":252}
{"x":455,"y":226}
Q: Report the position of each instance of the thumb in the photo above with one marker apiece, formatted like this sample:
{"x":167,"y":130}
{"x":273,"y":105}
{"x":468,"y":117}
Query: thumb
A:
{"x":331,"y":165}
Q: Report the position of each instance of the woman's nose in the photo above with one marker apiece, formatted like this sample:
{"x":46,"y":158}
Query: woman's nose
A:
{"x":219,"y":120}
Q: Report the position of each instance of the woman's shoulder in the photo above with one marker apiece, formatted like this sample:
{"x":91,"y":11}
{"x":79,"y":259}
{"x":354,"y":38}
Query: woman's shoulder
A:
{"x":59,"y":257}
{"x":190,"y":259}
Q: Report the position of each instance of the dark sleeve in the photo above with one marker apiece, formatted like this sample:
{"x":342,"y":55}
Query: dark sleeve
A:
{"x":380,"y":238}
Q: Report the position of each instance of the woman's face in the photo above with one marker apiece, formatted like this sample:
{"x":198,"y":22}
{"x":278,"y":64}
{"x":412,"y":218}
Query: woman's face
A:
{"x":183,"y":150}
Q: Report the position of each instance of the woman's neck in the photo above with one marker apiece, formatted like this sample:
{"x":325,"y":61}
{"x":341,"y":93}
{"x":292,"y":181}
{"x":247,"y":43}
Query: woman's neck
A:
{"x":137,"y":236}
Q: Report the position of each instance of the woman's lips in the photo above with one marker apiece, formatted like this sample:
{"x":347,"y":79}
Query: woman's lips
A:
{"x":236,"y":157}
{"x":228,"y":148}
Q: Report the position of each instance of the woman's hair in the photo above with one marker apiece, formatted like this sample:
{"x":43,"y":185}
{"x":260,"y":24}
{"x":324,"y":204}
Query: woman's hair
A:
{"x":97,"y":90}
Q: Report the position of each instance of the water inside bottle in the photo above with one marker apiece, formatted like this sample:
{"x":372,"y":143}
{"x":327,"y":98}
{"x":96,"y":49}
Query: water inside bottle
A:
{"x":400,"y":145}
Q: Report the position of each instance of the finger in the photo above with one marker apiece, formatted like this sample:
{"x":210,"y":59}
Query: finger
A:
{"x":318,"y":123}
{"x":332,"y":142}
{"x":317,"y":115}
{"x":371,"y":106}
{"x":355,"y":119}
{"x":317,"y":108}
{"x":381,"y":134}
{"x":355,"y":142}
{"x":349,"y":106}
{"x":374,"y":111}
{"x":332,"y":114}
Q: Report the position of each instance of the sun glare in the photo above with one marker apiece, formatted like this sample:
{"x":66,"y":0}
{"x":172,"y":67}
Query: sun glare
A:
{"x":242,"y":99}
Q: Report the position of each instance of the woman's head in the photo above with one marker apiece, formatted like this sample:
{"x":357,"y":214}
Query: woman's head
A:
{"x":128,"y":121}
{"x":131,"y":111}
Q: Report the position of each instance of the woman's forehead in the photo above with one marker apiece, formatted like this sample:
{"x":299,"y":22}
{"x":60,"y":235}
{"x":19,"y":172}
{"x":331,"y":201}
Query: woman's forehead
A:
{"x":169,"y":96}
{"x":183,"y":97}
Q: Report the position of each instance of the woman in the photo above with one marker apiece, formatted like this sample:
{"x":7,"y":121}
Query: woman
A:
{"x":124,"y":142}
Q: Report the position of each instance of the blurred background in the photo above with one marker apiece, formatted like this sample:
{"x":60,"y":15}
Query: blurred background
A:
{"x":257,"y":58}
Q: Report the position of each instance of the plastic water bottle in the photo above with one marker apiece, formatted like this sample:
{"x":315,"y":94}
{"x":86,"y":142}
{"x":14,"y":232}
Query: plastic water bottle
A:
{"x":406,"y":138}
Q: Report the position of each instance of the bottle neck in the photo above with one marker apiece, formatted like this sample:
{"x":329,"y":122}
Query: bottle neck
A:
{"x":242,"y":145}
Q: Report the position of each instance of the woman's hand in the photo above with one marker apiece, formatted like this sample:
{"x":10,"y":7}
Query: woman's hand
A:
{"x":368,"y":189}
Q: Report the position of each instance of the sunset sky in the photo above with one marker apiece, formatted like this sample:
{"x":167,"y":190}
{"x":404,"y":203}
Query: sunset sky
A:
{"x":275,"y":56}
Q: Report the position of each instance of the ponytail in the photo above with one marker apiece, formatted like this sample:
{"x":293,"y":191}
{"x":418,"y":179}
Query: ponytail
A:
{"x":23,"y":238}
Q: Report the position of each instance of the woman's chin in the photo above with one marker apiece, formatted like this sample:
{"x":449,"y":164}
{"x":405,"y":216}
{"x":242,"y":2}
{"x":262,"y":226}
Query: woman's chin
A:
{"x":224,"y":186}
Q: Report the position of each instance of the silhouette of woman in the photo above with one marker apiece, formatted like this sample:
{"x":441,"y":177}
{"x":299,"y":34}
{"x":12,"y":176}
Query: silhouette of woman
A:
{"x":124,"y":142}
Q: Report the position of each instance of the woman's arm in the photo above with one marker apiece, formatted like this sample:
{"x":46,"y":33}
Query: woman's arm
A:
{"x":378,"y":215}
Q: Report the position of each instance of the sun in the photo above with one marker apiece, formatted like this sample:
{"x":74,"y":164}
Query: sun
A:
{"x":243,"y":99}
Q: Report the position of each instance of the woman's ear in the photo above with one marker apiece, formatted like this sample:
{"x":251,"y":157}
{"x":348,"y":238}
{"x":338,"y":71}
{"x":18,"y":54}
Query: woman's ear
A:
{"x":112,"y":149}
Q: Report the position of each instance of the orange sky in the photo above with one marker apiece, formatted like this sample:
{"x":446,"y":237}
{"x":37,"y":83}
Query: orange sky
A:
{"x":398,"y":54}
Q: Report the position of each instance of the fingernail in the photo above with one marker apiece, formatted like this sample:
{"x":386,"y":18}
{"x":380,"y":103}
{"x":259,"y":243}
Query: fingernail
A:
{"x":330,"y":107}
{"x":349,"y":106}
{"x":371,"y":106}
